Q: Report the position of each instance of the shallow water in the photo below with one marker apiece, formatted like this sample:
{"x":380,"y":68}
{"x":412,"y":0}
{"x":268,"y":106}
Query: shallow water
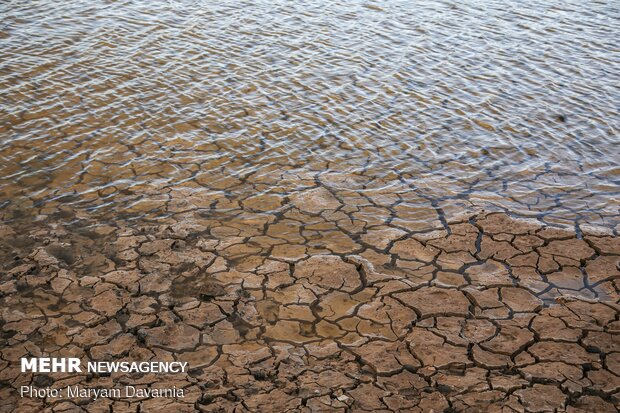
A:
{"x":118,"y":109}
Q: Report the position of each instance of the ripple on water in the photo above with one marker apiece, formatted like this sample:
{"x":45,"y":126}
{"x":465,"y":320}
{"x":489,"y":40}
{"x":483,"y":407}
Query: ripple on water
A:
{"x":464,"y":104}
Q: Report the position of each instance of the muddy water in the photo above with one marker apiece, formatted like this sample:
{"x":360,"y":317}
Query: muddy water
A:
{"x":113,"y":109}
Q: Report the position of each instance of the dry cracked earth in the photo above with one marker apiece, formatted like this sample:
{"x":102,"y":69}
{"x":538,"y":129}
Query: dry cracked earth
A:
{"x":321,"y":206}
{"x":318,"y":307}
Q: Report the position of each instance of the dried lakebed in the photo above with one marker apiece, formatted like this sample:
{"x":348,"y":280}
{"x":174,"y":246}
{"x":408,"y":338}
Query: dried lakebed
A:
{"x":317,"y":205}
{"x":485,"y":313}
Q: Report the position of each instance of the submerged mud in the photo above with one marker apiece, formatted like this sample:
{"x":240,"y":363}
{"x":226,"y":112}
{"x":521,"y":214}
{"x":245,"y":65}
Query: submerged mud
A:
{"x":484,"y":313}
{"x":455,"y":105}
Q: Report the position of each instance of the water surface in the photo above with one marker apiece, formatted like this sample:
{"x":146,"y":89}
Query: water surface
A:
{"x":109,"y":108}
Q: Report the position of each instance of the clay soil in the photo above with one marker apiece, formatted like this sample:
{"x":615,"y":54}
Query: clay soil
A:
{"x":486,"y":313}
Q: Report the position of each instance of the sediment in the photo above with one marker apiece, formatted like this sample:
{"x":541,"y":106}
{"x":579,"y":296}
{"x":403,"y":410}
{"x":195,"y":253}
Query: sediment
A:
{"x":487,"y":312}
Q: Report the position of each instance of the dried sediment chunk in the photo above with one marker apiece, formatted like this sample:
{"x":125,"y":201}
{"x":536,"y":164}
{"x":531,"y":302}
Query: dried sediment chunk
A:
{"x":328,"y":271}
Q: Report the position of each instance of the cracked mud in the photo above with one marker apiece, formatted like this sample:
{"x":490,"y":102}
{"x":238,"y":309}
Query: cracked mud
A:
{"x":486,"y":313}
{"x":321,"y":206}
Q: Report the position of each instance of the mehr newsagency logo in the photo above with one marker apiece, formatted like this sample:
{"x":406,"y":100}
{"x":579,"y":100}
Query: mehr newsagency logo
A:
{"x":75,"y":365}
